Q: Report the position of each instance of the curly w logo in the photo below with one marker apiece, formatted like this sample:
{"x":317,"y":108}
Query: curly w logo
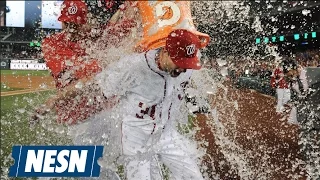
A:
{"x":191,"y":49}
{"x":72,"y":10}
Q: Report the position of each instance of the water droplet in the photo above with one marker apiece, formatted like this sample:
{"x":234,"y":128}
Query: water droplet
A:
{"x":306,"y":12}
{"x":22,"y":110}
{"x":173,"y":34}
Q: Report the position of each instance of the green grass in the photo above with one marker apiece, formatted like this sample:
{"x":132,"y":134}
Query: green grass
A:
{"x":15,"y":129}
{"x":26,"y":72}
{"x":187,"y":128}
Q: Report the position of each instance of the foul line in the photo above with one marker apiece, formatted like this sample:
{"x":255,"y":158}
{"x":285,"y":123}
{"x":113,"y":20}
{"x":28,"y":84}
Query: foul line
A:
{"x":266,"y":95}
{"x":25,"y":91}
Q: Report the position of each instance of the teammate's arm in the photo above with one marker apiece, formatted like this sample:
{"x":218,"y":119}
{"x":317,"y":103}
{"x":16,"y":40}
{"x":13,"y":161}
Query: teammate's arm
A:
{"x":71,"y":91}
{"x":109,"y":84}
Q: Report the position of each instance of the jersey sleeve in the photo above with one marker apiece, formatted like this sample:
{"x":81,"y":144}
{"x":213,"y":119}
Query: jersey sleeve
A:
{"x":274,"y":77}
{"x":67,"y":64}
{"x":86,"y":69}
{"x":119,"y":77}
{"x":55,"y":55}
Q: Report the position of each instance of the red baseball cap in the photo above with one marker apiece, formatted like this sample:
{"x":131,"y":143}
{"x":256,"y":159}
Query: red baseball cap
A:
{"x":74,"y":11}
{"x":182,"y":46}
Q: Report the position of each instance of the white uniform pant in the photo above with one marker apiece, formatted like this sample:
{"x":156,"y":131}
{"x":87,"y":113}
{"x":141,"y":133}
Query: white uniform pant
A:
{"x":284,"y":96}
{"x":145,"y":152}
{"x":293,"y":116}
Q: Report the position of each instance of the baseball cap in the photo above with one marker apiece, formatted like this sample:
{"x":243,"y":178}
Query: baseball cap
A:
{"x":183,"y":46}
{"x":73,"y":11}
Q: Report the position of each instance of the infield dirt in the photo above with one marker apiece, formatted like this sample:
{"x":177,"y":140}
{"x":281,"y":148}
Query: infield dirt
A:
{"x":250,"y":138}
{"x":26,"y":83}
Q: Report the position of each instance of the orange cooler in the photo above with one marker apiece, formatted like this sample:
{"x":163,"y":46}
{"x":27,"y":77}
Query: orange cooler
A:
{"x":159,"y":18}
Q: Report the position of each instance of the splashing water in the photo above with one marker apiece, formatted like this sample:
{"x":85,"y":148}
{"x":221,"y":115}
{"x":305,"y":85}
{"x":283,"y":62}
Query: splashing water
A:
{"x":216,"y":18}
{"x":212,"y":17}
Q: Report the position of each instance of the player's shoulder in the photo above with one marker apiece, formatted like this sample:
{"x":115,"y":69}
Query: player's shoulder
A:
{"x":134,"y":59}
{"x":134,"y":55}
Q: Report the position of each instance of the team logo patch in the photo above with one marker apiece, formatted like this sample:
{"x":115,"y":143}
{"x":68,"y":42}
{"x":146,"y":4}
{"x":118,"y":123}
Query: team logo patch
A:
{"x":191,"y":49}
{"x":72,"y":9}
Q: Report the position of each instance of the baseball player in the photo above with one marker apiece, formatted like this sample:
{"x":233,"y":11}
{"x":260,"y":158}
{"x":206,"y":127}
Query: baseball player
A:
{"x":66,"y":58}
{"x":149,"y":88}
{"x":68,"y":62}
{"x":279,"y":82}
{"x":299,"y":85}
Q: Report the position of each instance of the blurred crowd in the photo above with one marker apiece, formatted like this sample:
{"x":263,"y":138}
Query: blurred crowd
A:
{"x":264,"y":69}
{"x":250,"y":68}
{"x":308,"y":58}
{"x":21,"y":53}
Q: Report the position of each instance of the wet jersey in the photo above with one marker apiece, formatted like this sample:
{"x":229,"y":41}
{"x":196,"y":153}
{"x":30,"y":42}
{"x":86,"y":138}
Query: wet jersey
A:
{"x":148,"y":97}
{"x":67,"y":63}
{"x":278,"y":80}
{"x":67,"y":60}
{"x":141,"y":127}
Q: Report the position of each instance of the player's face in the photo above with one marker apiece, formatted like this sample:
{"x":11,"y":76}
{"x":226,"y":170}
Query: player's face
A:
{"x":169,"y":66}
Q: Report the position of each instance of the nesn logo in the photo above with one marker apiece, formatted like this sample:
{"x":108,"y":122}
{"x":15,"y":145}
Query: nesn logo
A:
{"x":56,"y":161}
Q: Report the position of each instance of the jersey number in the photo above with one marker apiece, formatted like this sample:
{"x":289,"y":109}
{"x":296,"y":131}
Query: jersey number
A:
{"x":146,"y":111}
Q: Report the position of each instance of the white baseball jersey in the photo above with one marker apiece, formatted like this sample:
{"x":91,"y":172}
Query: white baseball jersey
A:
{"x":143,"y":85}
{"x":149,"y":100}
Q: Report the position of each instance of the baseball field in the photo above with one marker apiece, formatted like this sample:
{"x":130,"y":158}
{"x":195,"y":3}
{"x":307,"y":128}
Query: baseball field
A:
{"x":21,"y":92}
{"x":245,"y":138}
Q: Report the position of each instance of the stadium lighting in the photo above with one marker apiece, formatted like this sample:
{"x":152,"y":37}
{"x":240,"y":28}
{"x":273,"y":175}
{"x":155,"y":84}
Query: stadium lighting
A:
{"x":296,"y":36}
{"x":258,"y":40}
{"x":314,"y":34}
{"x":281,"y":38}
